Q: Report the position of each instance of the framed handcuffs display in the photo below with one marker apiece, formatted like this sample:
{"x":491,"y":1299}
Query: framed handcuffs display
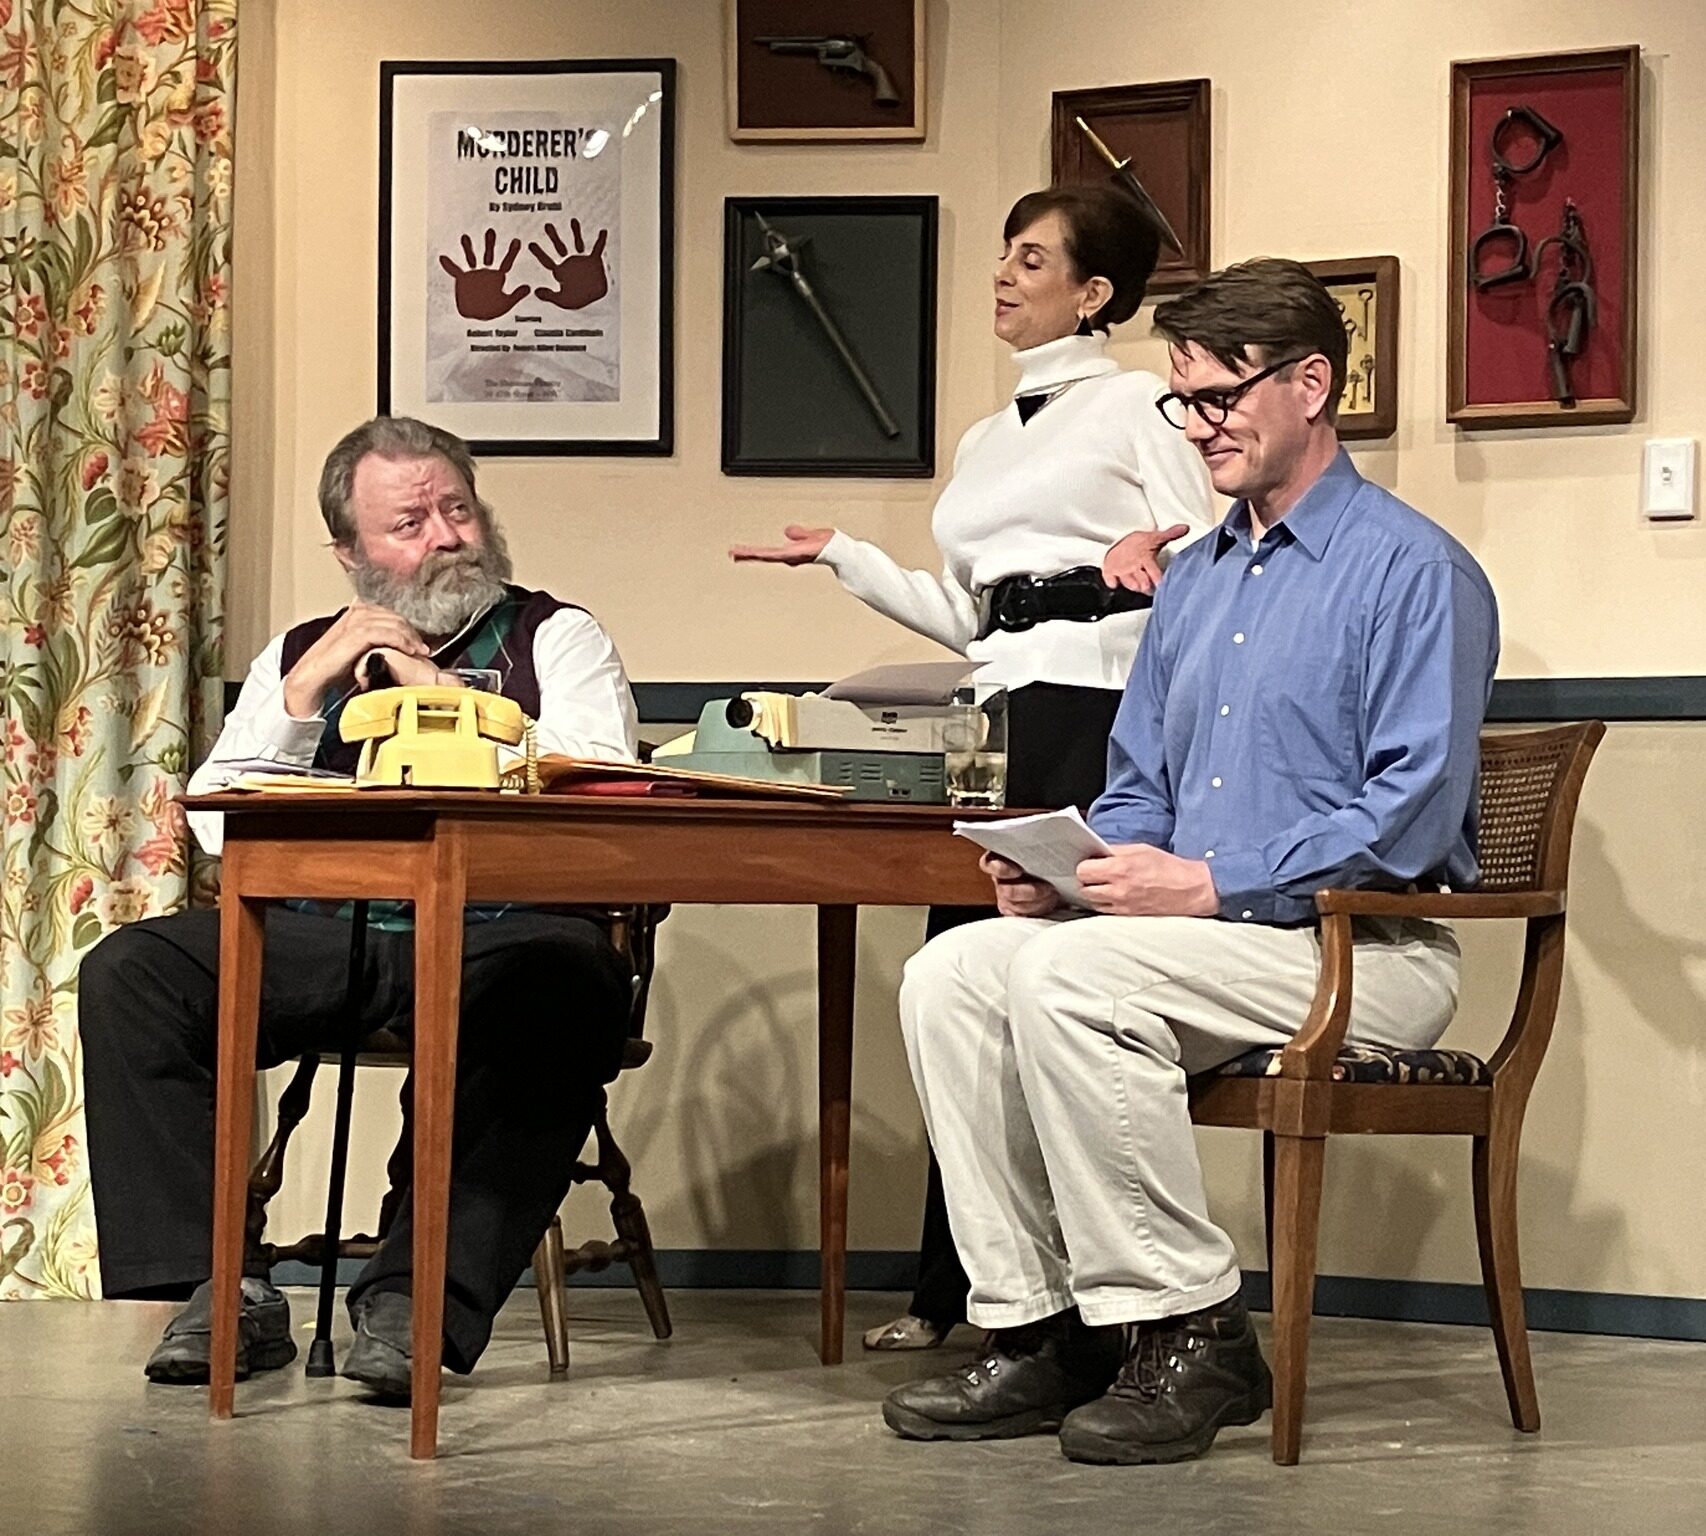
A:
{"x":1545,"y":156}
{"x":829,"y":336}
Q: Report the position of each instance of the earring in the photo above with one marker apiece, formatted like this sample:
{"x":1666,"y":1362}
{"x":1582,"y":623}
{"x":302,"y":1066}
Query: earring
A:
{"x":1084,"y":327}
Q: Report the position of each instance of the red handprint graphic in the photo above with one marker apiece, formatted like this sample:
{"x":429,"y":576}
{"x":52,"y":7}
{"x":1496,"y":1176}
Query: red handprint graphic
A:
{"x":480,"y":288}
{"x":581,"y":278}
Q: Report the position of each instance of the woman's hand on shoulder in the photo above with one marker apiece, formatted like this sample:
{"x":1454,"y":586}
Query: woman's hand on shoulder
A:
{"x":1134,"y":562}
{"x":802,"y":547}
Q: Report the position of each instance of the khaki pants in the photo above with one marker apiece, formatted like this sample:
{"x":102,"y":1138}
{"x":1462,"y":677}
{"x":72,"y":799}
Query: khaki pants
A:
{"x":1051,"y":1056}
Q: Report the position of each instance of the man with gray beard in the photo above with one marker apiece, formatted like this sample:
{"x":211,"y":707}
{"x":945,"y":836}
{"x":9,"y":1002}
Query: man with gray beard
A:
{"x":544,"y":995}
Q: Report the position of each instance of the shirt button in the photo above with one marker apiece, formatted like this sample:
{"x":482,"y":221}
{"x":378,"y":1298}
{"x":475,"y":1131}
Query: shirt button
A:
{"x":1226,"y":709}
{"x":1238,"y":639}
{"x":1255,"y":570}
{"x":1247,"y":914}
{"x":1209,"y":854}
{"x":1215,"y":781}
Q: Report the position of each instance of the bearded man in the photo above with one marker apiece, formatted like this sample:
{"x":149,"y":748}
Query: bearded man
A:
{"x":544,"y":995}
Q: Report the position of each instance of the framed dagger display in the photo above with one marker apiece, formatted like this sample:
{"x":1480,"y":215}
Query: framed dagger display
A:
{"x":829,"y":336}
{"x":1157,"y":137}
{"x":807,"y":70}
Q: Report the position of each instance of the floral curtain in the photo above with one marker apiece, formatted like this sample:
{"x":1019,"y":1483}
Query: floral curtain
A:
{"x":115,"y":270}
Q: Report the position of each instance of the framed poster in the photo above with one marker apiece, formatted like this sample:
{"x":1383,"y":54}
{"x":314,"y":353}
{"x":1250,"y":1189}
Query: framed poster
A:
{"x":1545,"y":222}
{"x":526,"y":252}
{"x":1366,"y":290}
{"x":800,"y":71}
{"x":1163,"y":130}
{"x":829,"y":336}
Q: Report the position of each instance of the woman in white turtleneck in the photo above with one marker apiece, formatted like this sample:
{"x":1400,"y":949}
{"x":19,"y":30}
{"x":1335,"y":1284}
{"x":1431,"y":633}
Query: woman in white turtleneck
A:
{"x":1078,"y":479}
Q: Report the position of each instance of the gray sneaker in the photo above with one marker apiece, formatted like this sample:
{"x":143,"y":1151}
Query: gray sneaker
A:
{"x":381,"y":1356}
{"x":263,"y":1336}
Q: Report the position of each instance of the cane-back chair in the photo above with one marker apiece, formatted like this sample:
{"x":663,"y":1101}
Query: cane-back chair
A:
{"x":1316,"y":1086}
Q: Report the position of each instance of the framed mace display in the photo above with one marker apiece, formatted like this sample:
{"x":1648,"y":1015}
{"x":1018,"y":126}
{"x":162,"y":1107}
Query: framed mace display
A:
{"x":526,"y":246}
{"x":1161,"y":133}
{"x":1366,"y":290}
{"x":829,"y":336}
{"x":1545,"y":156}
{"x":805,"y":70}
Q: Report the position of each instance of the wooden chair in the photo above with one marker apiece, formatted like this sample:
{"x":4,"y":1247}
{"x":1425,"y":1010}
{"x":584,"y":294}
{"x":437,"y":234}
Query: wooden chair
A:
{"x":1315,"y":1087}
{"x":632,"y":930}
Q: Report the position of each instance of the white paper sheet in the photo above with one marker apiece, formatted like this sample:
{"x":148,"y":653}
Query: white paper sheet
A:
{"x":1048,"y":847}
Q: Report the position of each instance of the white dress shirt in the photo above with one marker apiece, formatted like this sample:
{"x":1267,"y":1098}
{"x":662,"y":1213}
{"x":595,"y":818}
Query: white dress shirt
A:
{"x":1037,"y":498}
{"x":586,"y":709}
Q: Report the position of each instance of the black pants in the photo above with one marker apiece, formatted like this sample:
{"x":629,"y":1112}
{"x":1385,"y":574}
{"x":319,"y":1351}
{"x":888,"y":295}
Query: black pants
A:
{"x":1057,"y":755}
{"x":544,"y":1017}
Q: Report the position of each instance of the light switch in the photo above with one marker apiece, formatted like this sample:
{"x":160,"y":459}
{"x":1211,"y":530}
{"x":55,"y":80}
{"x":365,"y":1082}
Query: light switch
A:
{"x":1667,"y":479}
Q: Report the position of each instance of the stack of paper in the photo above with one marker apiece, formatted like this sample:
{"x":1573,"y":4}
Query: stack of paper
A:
{"x":1048,"y":847}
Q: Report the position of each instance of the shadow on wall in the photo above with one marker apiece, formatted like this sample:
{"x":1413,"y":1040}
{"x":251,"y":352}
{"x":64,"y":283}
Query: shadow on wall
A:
{"x":721,"y":1124}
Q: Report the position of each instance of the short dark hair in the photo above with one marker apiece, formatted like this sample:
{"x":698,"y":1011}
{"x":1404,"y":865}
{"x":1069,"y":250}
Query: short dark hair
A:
{"x":391,"y":437}
{"x":1256,"y":312}
{"x":1106,"y":236}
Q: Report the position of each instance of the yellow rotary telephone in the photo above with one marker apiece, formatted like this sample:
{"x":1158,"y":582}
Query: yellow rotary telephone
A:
{"x":431,"y":738}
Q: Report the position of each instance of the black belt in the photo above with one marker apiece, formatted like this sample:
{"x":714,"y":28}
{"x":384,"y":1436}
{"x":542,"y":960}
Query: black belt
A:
{"x":1022,"y":602}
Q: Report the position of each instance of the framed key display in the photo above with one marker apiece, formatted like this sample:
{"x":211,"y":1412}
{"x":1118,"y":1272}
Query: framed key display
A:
{"x":1366,"y":290}
{"x":829,"y":336}
{"x":1543,"y":274}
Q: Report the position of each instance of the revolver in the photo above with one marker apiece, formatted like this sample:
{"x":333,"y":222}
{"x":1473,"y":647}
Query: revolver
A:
{"x":840,"y":53}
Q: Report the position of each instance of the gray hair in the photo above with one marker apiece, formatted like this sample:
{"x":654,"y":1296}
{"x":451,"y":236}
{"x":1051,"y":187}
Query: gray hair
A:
{"x":391,"y":437}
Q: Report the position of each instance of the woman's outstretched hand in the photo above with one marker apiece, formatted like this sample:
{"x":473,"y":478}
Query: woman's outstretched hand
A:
{"x":803,"y":546}
{"x":1133,"y":563}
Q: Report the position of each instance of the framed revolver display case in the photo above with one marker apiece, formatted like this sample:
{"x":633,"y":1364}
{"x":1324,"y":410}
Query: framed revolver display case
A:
{"x":829,"y":336}
{"x":801,"y":71}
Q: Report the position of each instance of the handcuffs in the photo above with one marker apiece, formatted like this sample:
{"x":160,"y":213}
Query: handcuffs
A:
{"x":1571,"y":310}
{"x":1503,"y":229}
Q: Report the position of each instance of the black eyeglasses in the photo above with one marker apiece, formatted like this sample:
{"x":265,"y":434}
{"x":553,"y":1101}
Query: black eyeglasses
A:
{"x":1215,"y":405}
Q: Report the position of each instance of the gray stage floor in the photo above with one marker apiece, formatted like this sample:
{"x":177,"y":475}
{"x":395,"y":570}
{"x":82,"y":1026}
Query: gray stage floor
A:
{"x":732,"y":1426}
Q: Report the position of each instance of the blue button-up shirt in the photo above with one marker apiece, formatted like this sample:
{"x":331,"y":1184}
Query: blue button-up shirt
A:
{"x":1305,"y":710}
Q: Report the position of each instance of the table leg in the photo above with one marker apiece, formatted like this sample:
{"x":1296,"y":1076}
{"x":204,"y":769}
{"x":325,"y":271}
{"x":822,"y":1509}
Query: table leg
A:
{"x":241,"y":926}
{"x":837,"y":934}
{"x":438,"y":997}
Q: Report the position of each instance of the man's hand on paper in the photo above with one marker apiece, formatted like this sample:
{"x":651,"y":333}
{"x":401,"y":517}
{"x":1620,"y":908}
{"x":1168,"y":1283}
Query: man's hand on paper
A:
{"x":1016,"y":893}
{"x":1138,"y":880}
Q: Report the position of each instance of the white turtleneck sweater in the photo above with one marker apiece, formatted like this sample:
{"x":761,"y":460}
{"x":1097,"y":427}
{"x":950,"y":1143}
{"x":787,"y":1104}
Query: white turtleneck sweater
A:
{"x":1040,"y":497}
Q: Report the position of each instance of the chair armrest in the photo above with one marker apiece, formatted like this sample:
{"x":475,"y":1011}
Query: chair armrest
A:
{"x":1440,"y":904}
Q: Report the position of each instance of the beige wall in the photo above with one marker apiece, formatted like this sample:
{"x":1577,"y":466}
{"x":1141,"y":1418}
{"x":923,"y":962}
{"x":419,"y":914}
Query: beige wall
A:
{"x":723,"y":1121}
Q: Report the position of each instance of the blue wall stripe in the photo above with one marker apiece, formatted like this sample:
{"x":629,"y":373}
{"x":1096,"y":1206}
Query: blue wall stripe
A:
{"x":1407,"y":1301}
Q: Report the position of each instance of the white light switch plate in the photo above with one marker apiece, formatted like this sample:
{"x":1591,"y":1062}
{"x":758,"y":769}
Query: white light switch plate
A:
{"x":1667,"y":478}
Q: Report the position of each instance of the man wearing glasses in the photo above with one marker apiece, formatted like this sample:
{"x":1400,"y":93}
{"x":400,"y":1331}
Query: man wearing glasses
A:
{"x":1304,"y":712}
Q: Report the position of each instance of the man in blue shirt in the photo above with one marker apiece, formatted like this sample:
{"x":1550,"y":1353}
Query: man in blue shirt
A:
{"x":1304,"y":712}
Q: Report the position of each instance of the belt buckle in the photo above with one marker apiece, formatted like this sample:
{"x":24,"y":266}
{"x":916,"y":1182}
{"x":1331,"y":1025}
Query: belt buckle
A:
{"x":1019,"y":605}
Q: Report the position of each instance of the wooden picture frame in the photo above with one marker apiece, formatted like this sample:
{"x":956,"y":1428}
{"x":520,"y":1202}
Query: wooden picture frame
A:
{"x":1165,"y":129}
{"x":797,"y":97}
{"x":791,"y":404}
{"x":1366,"y":289}
{"x":1499,"y":362}
{"x":527,"y":252}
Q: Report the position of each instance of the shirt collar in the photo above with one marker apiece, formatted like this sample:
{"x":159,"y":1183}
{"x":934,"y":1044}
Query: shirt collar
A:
{"x":1064,"y":361}
{"x":1312,"y":521}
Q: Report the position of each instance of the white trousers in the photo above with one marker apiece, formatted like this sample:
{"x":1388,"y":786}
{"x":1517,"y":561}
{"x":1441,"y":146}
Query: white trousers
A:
{"x":1051,"y":1056}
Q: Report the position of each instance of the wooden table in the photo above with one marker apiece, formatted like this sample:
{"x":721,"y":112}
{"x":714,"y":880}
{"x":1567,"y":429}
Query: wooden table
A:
{"x":443,"y":850}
